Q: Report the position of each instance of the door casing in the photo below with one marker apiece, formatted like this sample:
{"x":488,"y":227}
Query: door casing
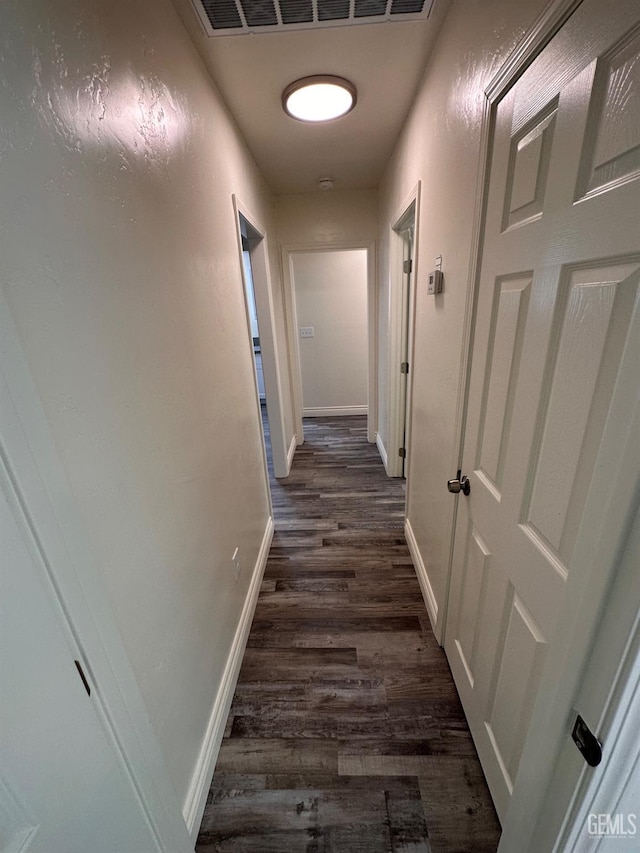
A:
{"x":401,"y":337}
{"x":281,"y":451}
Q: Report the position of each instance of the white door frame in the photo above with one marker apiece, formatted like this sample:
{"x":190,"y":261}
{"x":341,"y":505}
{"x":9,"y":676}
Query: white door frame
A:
{"x":608,"y":503}
{"x":288,"y":253}
{"x":401,"y":313}
{"x":282,"y":453}
{"x":35,"y":469}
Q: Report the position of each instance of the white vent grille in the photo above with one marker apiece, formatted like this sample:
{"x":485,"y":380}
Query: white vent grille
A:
{"x":234,"y":17}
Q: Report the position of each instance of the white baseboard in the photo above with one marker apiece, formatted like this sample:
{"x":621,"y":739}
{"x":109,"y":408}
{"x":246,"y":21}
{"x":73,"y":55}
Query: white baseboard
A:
{"x":291,"y":452}
{"x":196,"y":798}
{"x":334,"y":411}
{"x":423,"y":577}
{"x":382,"y":450}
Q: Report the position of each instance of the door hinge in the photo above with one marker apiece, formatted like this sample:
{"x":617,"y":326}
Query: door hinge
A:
{"x":402,"y":453}
{"x":407,"y":266}
{"x":83,"y":677}
{"x":404,"y":367}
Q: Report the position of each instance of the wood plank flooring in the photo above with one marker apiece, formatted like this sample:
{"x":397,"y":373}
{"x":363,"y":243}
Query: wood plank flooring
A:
{"x":346,"y":734}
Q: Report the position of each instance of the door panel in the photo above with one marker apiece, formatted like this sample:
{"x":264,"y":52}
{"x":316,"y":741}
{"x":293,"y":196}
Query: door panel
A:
{"x":611,"y":153}
{"x":477,"y":564}
{"x":594,"y":314}
{"x":519,"y":663}
{"x":529,"y":168}
{"x":508,"y":323}
{"x":559,"y":286}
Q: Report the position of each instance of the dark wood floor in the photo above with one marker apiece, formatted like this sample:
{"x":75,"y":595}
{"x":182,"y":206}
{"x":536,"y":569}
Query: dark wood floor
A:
{"x":346,"y":734}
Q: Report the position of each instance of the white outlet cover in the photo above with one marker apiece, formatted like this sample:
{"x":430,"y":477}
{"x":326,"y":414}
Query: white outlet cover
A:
{"x":307,"y":331}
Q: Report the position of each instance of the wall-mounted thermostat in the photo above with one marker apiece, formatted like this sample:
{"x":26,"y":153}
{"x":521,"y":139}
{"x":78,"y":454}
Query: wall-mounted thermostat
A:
{"x":434,"y":282}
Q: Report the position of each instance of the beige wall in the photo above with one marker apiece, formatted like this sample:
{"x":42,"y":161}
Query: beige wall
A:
{"x":119,"y":261}
{"x":439,"y":146}
{"x":331,"y":296}
{"x":327,"y":216}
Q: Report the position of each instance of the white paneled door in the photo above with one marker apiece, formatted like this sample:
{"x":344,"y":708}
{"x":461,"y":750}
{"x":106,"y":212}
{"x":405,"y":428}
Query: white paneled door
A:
{"x":557,"y":310}
{"x":63,"y":785}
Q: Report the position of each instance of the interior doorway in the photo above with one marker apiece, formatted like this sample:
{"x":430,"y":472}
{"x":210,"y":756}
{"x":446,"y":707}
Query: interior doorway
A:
{"x":406,"y":234}
{"x":253,"y":314}
{"x":252,"y":244}
{"x":249,"y":236}
{"x":330,"y":325}
{"x":403,"y":268}
{"x":254,"y":327}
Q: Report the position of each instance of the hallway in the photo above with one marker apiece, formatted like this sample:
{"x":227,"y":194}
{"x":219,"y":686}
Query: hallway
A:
{"x":346,"y":734}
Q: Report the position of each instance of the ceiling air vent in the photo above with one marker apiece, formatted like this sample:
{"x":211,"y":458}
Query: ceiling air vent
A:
{"x":234,"y":17}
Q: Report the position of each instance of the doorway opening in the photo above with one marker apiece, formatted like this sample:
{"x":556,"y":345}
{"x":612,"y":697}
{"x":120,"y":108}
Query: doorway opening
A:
{"x":249,"y":236}
{"x":262,"y":338}
{"x":403,"y":263}
{"x":329,"y":328}
{"x":247,"y":272}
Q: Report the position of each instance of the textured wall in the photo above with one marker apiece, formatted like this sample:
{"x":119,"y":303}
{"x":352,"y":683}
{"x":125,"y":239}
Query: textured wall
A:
{"x":328,"y":216}
{"x":325,"y":218}
{"x":331,"y":295}
{"x":119,"y":261}
{"x":439,"y":146}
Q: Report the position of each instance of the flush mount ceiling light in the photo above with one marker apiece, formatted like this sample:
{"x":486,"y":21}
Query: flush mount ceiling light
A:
{"x":319,"y":98}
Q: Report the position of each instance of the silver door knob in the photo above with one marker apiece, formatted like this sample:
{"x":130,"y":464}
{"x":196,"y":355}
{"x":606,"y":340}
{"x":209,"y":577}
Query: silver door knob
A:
{"x":459,"y":484}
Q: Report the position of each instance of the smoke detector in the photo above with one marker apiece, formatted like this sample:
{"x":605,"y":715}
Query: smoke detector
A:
{"x":326,"y":183}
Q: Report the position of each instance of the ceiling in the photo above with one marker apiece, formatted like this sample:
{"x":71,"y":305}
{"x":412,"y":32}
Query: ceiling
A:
{"x":385,"y":61}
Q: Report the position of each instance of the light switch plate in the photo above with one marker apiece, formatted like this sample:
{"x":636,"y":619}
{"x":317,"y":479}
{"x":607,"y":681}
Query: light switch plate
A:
{"x":434,"y":282}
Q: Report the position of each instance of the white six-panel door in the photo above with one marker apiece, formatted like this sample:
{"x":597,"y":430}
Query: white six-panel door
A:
{"x":558,"y":302}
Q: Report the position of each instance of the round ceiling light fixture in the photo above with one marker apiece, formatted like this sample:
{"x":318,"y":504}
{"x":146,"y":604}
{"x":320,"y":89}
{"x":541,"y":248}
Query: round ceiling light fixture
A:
{"x":319,"y":98}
